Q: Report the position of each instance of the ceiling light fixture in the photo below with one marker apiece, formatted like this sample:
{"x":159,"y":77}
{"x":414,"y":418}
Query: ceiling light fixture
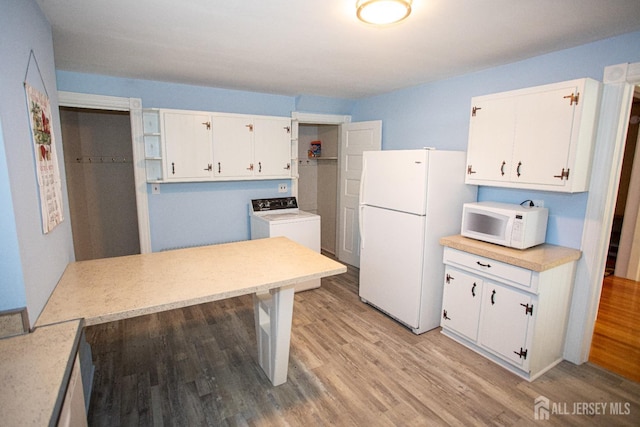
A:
{"x":382,"y":12}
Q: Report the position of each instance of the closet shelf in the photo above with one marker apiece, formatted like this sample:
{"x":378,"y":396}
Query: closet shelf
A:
{"x":317,"y":158}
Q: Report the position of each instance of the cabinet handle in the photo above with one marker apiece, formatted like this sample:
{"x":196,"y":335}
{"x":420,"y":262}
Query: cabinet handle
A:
{"x":473,"y":111}
{"x":449,"y":278}
{"x":173,"y":168}
{"x":209,"y":167}
{"x":219,"y":169}
{"x":473,"y":290}
{"x":250,"y":126}
{"x":483,"y":265}
{"x":493,"y":295}
{"x":518,"y":169}
{"x":288,"y":166}
{"x":502,"y":168}
{"x":259,"y":167}
{"x":287,"y":128}
{"x":250,"y":168}
{"x":470,"y":170}
{"x":207,"y":124}
{"x":444,"y":315}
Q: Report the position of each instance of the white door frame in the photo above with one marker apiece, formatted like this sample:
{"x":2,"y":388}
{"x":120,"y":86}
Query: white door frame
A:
{"x":615,"y":107}
{"x":134,"y":107}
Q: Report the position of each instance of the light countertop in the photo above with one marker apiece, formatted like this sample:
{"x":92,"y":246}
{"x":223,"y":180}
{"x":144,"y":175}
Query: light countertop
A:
{"x":110,"y":289}
{"x":34,"y":372}
{"x":538,"y":258}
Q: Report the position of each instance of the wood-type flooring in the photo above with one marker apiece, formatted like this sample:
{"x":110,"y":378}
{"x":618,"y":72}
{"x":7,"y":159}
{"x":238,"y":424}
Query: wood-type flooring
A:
{"x":350,"y":365}
{"x":616,"y":337}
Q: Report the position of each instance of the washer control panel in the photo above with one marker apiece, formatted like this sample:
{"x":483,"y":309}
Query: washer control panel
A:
{"x":275,"y":204}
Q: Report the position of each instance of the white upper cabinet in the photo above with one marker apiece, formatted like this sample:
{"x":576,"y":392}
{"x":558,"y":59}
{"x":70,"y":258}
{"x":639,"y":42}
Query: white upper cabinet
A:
{"x":188,"y":149}
{"x":272,"y":147}
{"x":257,"y":147}
{"x":538,"y":138}
{"x":183,"y":146}
{"x":232,"y":146}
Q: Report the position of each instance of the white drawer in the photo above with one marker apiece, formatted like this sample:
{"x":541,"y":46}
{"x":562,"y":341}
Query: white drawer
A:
{"x":488,"y":267}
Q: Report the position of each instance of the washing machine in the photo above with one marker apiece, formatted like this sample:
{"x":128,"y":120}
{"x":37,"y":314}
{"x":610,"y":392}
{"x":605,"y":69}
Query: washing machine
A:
{"x":280,"y":216}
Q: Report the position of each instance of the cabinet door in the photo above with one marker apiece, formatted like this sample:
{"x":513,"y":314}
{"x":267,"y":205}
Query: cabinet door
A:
{"x":188,"y":148}
{"x":505,"y":323}
{"x":544,"y":124}
{"x":491,"y":132}
{"x":232,"y":146}
{"x":461,"y":303}
{"x":272,"y":147}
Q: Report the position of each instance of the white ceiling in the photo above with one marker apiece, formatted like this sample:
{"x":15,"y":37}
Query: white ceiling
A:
{"x":317,"y":47}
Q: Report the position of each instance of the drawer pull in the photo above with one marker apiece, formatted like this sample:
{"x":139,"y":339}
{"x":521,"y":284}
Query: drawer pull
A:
{"x":444,"y":315}
{"x":483,"y":265}
{"x":449,"y":278}
{"x":493,"y":295}
{"x":473,"y":290}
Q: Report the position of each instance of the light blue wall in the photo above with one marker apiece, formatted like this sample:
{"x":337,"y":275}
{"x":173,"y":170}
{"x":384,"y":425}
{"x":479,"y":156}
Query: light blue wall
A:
{"x":202,"y":213}
{"x":437,"y":114}
{"x":32,"y":262}
{"x":12,"y":293}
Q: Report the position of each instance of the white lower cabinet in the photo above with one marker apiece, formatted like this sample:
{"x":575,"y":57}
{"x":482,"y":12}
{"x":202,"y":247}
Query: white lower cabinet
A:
{"x":462,"y":295}
{"x":513,"y":316}
{"x":506,"y":319}
{"x":73,"y":412}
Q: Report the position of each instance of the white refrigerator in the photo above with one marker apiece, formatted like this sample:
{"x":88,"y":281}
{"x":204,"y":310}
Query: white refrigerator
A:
{"x":409,"y":199}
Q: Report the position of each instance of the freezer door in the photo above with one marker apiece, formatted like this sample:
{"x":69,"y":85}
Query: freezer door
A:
{"x":395,"y":179}
{"x":391,"y":258}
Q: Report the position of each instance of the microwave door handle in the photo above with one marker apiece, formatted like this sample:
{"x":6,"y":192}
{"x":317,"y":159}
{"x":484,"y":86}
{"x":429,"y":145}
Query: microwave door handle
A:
{"x":509,"y":227}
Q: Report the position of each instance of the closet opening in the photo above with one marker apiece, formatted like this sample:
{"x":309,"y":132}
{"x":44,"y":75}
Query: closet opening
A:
{"x":99,"y":167}
{"x":318,"y":178}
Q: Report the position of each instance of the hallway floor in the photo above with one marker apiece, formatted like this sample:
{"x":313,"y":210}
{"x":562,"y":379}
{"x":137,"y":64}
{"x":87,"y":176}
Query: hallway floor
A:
{"x":616,"y":338}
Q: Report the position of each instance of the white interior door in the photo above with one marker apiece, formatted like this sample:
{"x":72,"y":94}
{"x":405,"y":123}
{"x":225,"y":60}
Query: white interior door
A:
{"x":356,"y":138}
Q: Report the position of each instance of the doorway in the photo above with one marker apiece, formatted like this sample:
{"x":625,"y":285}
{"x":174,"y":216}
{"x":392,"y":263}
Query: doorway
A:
{"x":318,"y":177}
{"x":616,"y":332}
{"x":100,"y":182}
{"x":623,"y":247}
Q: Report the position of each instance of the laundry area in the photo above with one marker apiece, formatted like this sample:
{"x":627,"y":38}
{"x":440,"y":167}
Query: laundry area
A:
{"x":318,"y":177}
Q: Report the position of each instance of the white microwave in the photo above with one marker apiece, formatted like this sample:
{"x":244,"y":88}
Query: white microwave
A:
{"x":505,"y":224}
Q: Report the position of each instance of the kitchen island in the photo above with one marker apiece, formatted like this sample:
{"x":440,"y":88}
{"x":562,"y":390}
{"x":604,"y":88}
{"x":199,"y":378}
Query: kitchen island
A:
{"x":110,"y":289}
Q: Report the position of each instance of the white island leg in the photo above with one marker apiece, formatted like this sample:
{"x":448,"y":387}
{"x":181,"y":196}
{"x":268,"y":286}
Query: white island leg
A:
{"x":273,"y":315}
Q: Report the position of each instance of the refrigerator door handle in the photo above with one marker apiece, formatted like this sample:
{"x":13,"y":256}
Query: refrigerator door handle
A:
{"x":360,"y":226}
{"x":360,"y":205}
